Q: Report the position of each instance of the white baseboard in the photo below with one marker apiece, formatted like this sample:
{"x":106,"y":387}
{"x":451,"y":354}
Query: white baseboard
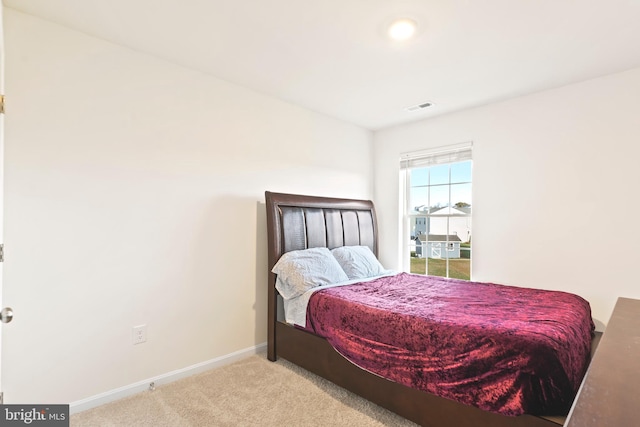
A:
{"x":119,"y":393}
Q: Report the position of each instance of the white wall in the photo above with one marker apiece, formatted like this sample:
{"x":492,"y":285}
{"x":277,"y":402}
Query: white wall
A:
{"x":554,"y":187}
{"x":134,"y":194}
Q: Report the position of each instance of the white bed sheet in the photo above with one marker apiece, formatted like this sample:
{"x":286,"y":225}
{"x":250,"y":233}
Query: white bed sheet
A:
{"x":295,"y":309}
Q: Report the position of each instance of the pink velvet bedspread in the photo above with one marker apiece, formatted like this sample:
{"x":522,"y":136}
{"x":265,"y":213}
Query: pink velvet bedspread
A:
{"x":503,"y":349}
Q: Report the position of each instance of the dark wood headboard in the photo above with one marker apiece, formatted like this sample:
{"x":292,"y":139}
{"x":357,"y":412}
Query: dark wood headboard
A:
{"x":297,"y":222}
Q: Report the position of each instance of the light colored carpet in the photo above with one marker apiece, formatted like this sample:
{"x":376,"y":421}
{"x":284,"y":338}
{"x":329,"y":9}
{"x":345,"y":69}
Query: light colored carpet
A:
{"x":252,"y":392}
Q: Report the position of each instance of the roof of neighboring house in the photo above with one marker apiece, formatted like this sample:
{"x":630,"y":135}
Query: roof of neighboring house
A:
{"x":439,"y":238}
{"x":465,"y":209}
{"x":447,"y":210}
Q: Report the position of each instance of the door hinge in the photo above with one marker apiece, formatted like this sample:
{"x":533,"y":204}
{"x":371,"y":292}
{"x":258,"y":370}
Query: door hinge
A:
{"x":1,"y":397}
{"x":1,"y":104}
{"x":1,"y":256}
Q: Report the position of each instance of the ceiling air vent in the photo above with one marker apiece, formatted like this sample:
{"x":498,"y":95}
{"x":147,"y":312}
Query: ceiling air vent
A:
{"x":419,"y":106}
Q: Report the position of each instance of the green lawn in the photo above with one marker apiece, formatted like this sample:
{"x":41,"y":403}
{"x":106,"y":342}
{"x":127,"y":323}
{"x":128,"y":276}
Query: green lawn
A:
{"x":459,"y":268}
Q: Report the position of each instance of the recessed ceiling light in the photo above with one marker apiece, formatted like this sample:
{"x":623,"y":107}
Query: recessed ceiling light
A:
{"x":402,"y":29}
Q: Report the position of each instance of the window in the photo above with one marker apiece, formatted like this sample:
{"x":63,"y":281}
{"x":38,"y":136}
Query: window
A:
{"x":437,"y":211}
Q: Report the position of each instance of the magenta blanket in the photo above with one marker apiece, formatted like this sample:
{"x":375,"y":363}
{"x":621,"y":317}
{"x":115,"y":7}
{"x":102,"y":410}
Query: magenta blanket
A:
{"x":503,"y":349}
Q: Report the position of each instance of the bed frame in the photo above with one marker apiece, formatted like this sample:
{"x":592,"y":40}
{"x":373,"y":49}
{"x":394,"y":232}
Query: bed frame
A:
{"x":299,"y":222}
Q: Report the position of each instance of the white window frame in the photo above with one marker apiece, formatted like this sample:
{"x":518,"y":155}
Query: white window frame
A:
{"x":425,"y":158}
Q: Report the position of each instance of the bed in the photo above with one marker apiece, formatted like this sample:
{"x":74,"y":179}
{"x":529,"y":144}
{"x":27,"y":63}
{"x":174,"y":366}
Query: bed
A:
{"x":297,"y":222}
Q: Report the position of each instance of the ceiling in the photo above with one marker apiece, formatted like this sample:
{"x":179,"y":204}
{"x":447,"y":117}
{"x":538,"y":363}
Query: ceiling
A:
{"x":333,"y":56}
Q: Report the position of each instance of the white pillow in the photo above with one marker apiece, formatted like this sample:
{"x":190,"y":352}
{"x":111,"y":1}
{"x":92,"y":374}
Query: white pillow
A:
{"x":299,"y":271}
{"x":358,"y":262}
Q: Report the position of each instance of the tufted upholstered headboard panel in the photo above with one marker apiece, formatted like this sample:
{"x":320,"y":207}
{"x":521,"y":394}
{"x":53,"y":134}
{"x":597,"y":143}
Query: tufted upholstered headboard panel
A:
{"x":299,"y":222}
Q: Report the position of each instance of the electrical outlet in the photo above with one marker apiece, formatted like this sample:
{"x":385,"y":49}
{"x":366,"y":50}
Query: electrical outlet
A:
{"x":139,"y":334}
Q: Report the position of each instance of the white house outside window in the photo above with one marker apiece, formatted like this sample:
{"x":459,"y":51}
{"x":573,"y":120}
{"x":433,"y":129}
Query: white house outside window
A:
{"x":437,"y":211}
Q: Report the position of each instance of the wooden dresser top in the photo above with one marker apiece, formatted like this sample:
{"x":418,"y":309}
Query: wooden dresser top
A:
{"x":610,"y":392}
